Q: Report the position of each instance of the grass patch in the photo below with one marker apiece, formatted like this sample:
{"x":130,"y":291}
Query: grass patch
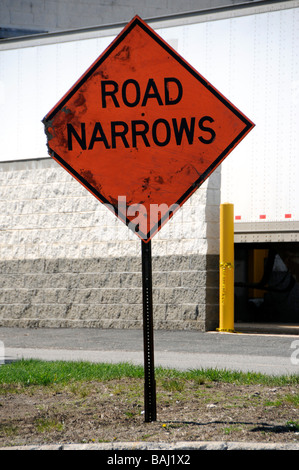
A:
{"x":37,"y":372}
{"x":291,"y":399}
{"x":45,"y":373}
{"x":48,"y":425}
{"x":276,"y":403}
{"x":231,"y":429}
{"x":173,"y":385}
{"x":240,"y":378}
{"x":293,"y":426}
{"x":8,"y":430}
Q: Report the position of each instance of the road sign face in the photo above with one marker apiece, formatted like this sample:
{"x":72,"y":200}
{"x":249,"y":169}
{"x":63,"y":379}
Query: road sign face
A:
{"x":142,"y":129}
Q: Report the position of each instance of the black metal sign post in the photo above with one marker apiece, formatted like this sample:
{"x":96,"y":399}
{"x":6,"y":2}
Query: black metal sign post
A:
{"x":148,"y":335}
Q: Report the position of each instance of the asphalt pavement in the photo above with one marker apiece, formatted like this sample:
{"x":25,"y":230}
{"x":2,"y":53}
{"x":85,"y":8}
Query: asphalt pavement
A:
{"x":274,"y":352}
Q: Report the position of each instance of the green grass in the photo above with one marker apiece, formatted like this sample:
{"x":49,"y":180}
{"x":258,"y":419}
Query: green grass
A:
{"x":293,"y":426}
{"x":36,"y":372}
{"x":43,"y":373}
{"x":48,"y":424}
{"x":231,"y":429}
{"x":292,"y":399}
{"x":8,"y":430}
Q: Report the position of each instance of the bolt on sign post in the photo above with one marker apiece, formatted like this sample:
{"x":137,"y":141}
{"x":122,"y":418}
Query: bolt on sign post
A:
{"x":141,"y":130}
{"x":226,"y":268}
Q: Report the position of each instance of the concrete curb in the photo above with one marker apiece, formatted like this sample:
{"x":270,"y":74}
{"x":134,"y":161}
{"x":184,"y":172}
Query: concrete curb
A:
{"x":162,"y":446}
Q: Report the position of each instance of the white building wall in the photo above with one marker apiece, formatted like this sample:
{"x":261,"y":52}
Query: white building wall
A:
{"x":65,"y":260}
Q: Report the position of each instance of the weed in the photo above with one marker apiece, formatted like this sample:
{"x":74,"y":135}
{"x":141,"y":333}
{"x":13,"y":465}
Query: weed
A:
{"x":8,"y":430}
{"x":173,"y":385}
{"x":293,"y":426}
{"x":276,"y":403}
{"x":293,"y":399}
{"x":231,"y":429}
{"x":48,"y":424}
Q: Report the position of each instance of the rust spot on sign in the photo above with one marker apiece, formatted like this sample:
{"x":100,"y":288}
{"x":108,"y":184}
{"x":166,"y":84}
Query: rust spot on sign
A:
{"x":123,"y":54}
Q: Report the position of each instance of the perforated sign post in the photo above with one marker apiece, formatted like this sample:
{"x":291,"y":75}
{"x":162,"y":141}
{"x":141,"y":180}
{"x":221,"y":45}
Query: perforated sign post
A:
{"x":142,"y":130}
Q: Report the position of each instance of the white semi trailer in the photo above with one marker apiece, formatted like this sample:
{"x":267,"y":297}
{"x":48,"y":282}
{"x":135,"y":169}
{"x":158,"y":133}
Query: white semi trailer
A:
{"x":249,"y":52}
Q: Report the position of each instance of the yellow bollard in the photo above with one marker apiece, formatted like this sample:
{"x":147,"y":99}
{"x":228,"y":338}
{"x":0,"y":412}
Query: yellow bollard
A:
{"x":226,"y":268}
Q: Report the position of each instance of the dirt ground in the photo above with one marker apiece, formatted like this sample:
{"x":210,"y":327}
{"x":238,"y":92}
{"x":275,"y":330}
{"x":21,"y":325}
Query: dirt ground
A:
{"x":110,"y":411}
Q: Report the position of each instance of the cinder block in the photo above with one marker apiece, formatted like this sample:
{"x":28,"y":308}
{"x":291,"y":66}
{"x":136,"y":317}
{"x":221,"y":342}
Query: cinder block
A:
{"x":193,"y":279}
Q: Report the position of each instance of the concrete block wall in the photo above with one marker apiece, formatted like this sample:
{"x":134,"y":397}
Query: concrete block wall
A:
{"x":66,"y":261}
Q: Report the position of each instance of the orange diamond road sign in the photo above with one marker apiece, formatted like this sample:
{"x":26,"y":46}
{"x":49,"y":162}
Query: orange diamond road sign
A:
{"x":142,"y":129}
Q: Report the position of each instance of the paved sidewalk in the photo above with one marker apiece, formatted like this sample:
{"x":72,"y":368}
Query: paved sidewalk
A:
{"x":266,"y":353}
